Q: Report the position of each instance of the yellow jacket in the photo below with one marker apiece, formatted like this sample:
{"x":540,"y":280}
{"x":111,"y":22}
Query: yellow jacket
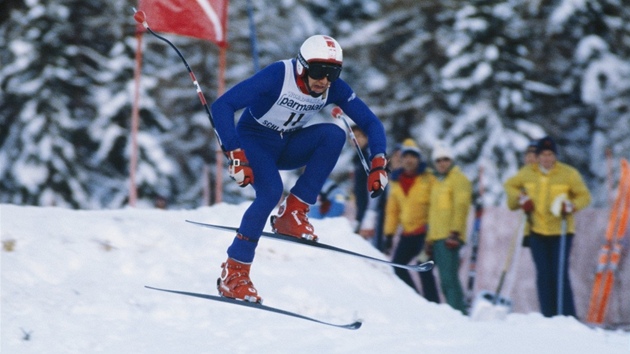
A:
{"x":543,"y":190}
{"x":450,"y":205}
{"x":408,"y":210}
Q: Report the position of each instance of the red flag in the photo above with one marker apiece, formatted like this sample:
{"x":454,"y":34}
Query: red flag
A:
{"x":205,"y":19}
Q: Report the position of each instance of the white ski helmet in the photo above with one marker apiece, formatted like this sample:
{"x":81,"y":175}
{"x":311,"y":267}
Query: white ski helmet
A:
{"x":326,"y":52}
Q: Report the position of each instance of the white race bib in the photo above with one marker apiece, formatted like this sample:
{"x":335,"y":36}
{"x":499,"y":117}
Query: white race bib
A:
{"x":293,"y":109}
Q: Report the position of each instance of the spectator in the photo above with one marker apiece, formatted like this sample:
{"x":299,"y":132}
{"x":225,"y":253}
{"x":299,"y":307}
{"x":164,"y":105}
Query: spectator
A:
{"x":369,"y":211}
{"x":529,"y":161}
{"x":450,"y":204}
{"x":331,"y":201}
{"x":535,"y":190}
{"x":530,"y":153}
{"x":394,"y":163}
{"x":160,"y":202}
{"x":408,"y":207}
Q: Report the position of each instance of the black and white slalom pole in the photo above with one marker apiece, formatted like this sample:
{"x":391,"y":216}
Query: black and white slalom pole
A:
{"x":141,"y":18}
{"x":474,"y":252}
{"x":338,"y":113}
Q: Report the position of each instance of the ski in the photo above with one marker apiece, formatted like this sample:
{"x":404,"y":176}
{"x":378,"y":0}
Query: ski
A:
{"x":354,"y":325}
{"x":610,"y":252}
{"x":422,"y":267}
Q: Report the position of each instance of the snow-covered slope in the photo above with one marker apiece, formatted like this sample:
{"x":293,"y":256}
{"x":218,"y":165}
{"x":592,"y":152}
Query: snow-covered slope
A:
{"x":73,"y":282}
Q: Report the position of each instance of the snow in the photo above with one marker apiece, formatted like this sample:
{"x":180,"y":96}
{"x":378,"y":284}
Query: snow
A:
{"x":602,"y":76}
{"x":73,"y":282}
{"x":563,"y":12}
{"x":31,"y":175}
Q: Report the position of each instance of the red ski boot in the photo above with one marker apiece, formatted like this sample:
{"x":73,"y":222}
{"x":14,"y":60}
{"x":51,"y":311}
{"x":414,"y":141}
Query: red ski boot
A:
{"x":235,"y":283}
{"x":292,"y":220}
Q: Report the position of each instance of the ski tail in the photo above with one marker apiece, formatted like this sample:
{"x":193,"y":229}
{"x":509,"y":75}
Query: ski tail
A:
{"x":597,"y":284}
{"x":353,"y":325}
{"x":609,"y":278}
{"x":615,"y":253}
{"x":610,"y":253}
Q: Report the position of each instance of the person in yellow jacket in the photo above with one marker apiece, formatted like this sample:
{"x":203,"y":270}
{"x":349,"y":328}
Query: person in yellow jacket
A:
{"x":450,"y":202}
{"x":530,"y":160}
{"x":538,"y":189}
{"x":407,"y":208}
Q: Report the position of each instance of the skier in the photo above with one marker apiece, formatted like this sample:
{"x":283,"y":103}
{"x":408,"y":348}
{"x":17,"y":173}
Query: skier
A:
{"x":272,"y":134}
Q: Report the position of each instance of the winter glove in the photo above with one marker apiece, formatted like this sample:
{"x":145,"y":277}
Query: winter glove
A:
{"x":388,"y":243}
{"x":526,"y":203}
{"x":377,"y":179}
{"x":453,"y":240}
{"x":567,"y":208}
{"x":525,"y":242}
{"x":561,"y":206}
{"x":239,"y":169}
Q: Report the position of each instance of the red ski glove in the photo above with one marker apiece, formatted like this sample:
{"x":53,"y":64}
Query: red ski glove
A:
{"x":526,"y":203}
{"x":453,"y":240}
{"x":239,"y":169}
{"x":377,"y":179}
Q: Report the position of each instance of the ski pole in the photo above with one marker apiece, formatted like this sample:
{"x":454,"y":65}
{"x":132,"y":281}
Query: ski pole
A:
{"x":338,"y":113}
{"x":561,"y":260}
{"x":141,"y":18}
{"x":516,"y":242}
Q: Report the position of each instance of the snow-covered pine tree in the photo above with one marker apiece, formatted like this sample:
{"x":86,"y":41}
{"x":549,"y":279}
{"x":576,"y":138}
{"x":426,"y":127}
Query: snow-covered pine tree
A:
{"x":67,"y":67}
{"x":486,"y":85}
{"x":67,"y":83}
{"x":584,"y":56}
{"x":44,"y":108}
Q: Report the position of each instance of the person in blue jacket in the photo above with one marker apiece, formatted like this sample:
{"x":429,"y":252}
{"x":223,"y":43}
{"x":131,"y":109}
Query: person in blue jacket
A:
{"x":272,"y":134}
{"x":330,"y":203}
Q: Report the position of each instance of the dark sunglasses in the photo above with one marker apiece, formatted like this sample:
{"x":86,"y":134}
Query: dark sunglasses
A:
{"x":319,"y":71}
{"x":442,"y":159}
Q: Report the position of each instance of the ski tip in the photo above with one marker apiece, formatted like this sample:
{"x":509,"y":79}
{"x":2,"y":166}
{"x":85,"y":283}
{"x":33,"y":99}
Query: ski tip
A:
{"x":356,"y":325}
{"x":425,"y":267}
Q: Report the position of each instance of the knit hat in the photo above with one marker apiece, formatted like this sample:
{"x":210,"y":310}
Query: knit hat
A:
{"x":546,"y":143}
{"x":441,"y":151}
{"x":409,"y":147}
{"x":532,"y":146}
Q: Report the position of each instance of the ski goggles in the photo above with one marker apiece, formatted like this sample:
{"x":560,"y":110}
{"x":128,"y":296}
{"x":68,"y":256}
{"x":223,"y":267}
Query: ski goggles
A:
{"x":319,"y":71}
